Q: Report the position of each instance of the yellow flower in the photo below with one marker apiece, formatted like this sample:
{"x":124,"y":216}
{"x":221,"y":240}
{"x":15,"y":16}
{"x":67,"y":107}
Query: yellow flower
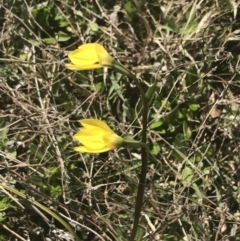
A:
{"x":96,"y":137}
{"x":89,"y":56}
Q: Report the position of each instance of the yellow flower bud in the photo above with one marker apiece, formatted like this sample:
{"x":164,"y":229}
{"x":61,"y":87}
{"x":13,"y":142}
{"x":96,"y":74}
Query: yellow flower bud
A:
{"x":89,"y":56}
{"x":96,"y":137}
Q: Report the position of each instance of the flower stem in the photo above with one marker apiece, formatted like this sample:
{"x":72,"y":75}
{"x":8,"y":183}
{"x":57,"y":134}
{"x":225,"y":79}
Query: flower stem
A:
{"x":144,"y":148}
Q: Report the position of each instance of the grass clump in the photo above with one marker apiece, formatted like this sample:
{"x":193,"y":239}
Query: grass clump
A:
{"x":186,"y":56}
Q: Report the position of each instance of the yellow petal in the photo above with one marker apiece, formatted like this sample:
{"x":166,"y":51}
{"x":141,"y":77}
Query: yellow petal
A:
{"x":95,"y":123}
{"x":88,"y":150}
{"x":89,"y":56}
{"x":103,"y":56}
{"x":91,"y":138}
{"x":93,"y":144}
{"x":89,"y":47}
{"x":96,"y":136}
{"x":112,"y":140}
{"x":86,"y":54}
{"x":90,"y":131}
{"x":83,"y":67}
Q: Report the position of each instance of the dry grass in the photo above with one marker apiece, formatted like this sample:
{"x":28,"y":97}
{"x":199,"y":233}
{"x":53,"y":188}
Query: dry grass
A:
{"x":187,"y":56}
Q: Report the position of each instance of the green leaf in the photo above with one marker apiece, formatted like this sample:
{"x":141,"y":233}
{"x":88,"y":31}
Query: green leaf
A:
{"x":194,"y":106}
{"x":151,"y":91}
{"x":34,"y":42}
{"x":37,"y":180}
{"x":116,"y":8}
{"x":98,"y":86}
{"x":197,"y":190}
{"x":129,"y":7}
{"x":58,"y":16}
{"x":115,"y":86}
{"x":156,"y":149}
{"x":56,"y":191}
{"x":93,"y":26}
{"x":182,"y":113}
{"x":4,"y":204}
{"x":186,"y":130}
{"x":218,"y":193}
{"x":161,"y":131}
{"x":189,"y":28}
{"x":3,"y":136}
{"x":156,"y":124}
{"x":62,"y":37}
{"x":50,"y":40}
{"x":187,"y":175}
{"x":140,"y":233}
{"x":63,"y":23}
{"x":128,"y":111}
{"x":12,"y":154}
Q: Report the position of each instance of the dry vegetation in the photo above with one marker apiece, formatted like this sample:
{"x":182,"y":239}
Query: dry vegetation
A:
{"x":186,"y":54}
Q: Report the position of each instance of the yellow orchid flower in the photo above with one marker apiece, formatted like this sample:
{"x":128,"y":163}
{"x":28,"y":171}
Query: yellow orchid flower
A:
{"x":96,"y":137}
{"x":89,"y":56}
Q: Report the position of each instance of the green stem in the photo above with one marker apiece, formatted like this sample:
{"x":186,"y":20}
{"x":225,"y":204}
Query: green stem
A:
{"x":42,"y":207}
{"x":144,"y":149}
